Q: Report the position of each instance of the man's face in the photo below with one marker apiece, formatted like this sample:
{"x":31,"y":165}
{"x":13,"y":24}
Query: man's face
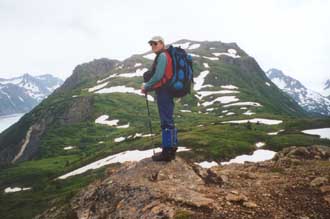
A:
{"x":156,"y":46}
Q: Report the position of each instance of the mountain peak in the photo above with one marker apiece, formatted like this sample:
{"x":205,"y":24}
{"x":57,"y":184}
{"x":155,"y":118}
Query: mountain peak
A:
{"x":274,"y":72}
{"x":326,"y":89}
{"x":310,"y":100}
{"x":27,"y":75}
{"x":211,"y":45}
{"x":327,"y":85}
{"x":185,"y":41}
{"x":88,"y":71}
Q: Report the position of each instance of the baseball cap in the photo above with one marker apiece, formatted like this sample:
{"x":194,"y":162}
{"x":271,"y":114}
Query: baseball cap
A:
{"x":156,"y":39}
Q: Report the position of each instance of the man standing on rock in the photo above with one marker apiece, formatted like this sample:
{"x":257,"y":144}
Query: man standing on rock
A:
{"x":161,"y":72}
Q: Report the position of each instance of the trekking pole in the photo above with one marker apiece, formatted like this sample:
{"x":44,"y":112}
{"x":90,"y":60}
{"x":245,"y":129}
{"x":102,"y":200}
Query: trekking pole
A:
{"x":150,"y":126}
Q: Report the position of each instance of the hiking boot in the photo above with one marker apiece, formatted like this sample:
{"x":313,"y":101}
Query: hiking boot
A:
{"x":173,"y":151}
{"x":167,"y":154}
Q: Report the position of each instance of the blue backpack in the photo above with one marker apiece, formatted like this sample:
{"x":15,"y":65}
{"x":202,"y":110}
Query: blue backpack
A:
{"x":180,"y":83}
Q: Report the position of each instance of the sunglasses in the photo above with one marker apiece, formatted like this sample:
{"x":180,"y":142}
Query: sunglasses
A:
{"x":153,"y":43}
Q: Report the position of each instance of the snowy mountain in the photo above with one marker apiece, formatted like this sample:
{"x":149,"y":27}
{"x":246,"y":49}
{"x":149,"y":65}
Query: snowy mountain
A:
{"x":310,"y":100}
{"x":326,"y":89}
{"x":21,"y":94}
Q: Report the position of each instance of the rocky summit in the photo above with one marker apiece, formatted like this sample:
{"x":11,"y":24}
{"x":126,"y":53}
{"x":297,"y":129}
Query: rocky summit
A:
{"x":294,"y":184}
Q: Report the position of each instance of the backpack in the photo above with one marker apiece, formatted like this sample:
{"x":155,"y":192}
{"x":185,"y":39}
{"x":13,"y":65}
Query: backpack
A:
{"x":180,"y":83}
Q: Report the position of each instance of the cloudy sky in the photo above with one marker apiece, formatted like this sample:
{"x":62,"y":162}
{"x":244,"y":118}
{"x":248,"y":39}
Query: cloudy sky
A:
{"x":41,"y":36}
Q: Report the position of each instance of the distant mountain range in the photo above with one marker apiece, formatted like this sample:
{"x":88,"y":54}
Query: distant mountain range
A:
{"x":310,"y":100}
{"x":21,"y":94}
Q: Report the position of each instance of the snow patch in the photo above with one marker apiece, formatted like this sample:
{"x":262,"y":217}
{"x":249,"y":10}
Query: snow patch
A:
{"x":257,"y":156}
{"x":194,"y":46}
{"x":148,"y":135}
{"x":138,"y":73}
{"x":256,"y":120}
{"x":230,"y":52}
{"x":243,"y":103}
{"x":97,"y":87}
{"x":322,"y":132}
{"x":279,"y":83}
{"x":194,"y":55}
{"x":207,"y":164}
{"x":201,"y":94}
{"x":260,"y":144}
{"x":107,"y":78}
{"x":182,"y":45}
{"x":223,"y":99}
{"x":68,"y":147}
{"x":248,"y":113}
{"x":123,"y":126}
{"x":15,"y":189}
{"x":275,"y":133}
{"x":122,"y":89}
{"x":211,"y":58}
{"x":199,"y":80}
{"x":119,"y":139}
{"x":230,"y":113}
{"x":185,"y":111}
{"x":229,"y":86}
{"x":103,"y":120}
{"x":150,"y":56}
{"x":130,"y":155}
{"x":21,"y":99}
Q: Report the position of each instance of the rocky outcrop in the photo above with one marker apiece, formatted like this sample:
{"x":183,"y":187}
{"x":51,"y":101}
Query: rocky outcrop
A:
{"x":295,"y":184}
{"x":295,"y":153}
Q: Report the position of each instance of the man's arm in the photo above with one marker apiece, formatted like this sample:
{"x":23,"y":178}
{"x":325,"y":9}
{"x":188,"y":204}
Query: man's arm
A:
{"x":159,"y":72}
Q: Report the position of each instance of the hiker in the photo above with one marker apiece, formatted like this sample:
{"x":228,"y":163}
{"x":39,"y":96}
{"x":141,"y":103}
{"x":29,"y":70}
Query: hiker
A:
{"x":155,"y":80}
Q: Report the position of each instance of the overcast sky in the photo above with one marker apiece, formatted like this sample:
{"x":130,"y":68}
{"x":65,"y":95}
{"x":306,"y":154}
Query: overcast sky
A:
{"x":41,"y":36}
